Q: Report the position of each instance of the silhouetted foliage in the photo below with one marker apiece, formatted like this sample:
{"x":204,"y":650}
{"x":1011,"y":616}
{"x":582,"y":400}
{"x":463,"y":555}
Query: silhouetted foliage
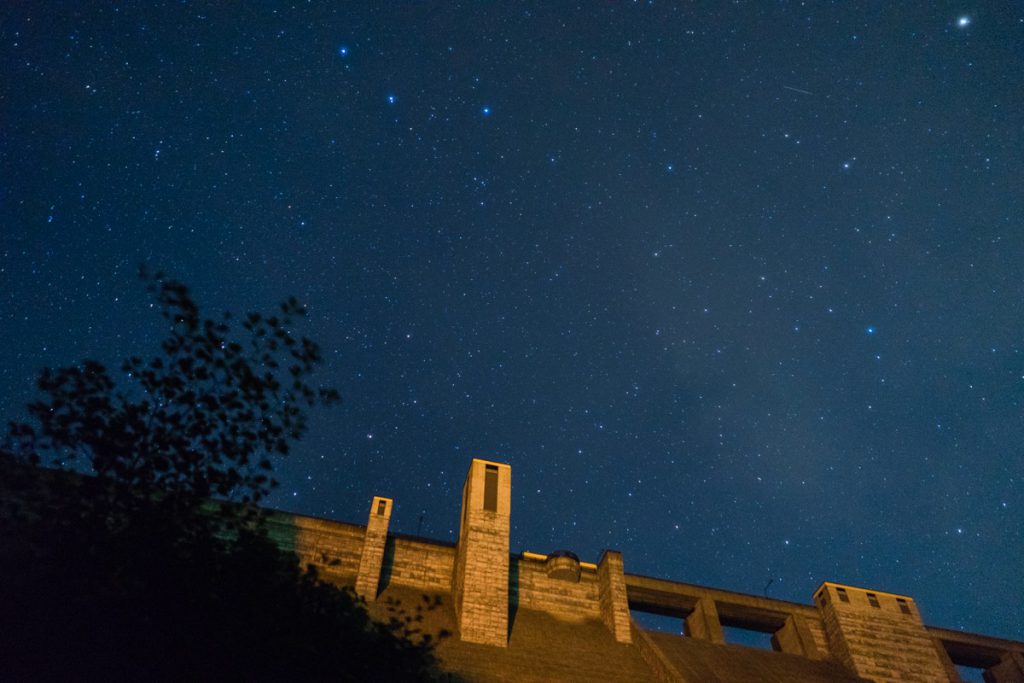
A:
{"x":149,"y":560}
{"x":199,"y":419}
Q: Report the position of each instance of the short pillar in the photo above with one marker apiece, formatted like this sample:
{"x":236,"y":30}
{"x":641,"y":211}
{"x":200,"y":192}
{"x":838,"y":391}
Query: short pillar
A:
{"x":703,"y":622}
{"x":372,"y":557}
{"x":795,"y":638}
{"x":1010,"y":669}
{"x":611,"y":580}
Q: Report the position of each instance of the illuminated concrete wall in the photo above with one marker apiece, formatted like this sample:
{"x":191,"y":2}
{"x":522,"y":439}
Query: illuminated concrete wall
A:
{"x":480,"y":581}
{"x":879,"y":636}
{"x":612,"y":596}
{"x":371,"y":559}
{"x":847,"y":633}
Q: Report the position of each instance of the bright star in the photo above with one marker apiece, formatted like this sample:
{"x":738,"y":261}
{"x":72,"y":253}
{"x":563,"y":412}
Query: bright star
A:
{"x":391,"y":99}
{"x":343,"y":51}
{"x":485,"y":110}
{"x":963,"y":21}
{"x":870,"y":329}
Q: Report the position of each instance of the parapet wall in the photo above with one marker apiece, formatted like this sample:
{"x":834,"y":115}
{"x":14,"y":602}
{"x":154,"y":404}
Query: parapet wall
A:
{"x":868,"y":635}
{"x":334,"y":548}
{"x":532,"y":588}
{"x":414,"y":563}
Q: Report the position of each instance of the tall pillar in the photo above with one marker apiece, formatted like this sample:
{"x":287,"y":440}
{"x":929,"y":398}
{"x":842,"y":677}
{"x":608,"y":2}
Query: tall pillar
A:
{"x":611,"y":582}
{"x":480,"y":579}
{"x":372,"y":558}
{"x":703,"y":622}
{"x":878,"y":636}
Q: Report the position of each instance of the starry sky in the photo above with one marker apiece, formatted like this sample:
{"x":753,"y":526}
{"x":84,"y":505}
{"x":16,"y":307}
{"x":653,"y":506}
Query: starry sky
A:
{"x":734,"y":287}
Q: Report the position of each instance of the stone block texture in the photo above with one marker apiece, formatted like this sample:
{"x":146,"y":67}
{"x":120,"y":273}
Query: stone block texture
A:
{"x":614,"y":602}
{"x":480,"y":579}
{"x":495,"y":617}
{"x":879,"y":636}
{"x":796,"y":637}
{"x":703,"y":622}
{"x":532,"y":588}
{"x":418,"y":564}
{"x":335,"y":548}
{"x":372,"y":557}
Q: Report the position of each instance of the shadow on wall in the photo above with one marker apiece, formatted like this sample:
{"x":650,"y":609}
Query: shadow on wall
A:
{"x":513,"y":593}
{"x":402,"y":618}
{"x":387,"y":566}
{"x":410,"y":620}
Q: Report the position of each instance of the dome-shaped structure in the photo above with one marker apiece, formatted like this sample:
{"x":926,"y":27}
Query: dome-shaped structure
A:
{"x":563,"y":565}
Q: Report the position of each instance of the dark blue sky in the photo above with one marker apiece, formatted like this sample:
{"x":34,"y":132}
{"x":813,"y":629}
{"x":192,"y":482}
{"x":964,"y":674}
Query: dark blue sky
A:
{"x":735,"y":288}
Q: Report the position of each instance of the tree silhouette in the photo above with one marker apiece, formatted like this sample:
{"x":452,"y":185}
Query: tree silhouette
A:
{"x":140,"y":552}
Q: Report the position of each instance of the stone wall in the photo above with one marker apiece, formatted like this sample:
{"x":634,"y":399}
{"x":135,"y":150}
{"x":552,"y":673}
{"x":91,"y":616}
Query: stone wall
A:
{"x":334,"y":547}
{"x":419,"y":564}
{"x":480,"y":581}
{"x":817,"y":630}
{"x":374,"y":542}
{"x":406,"y":561}
{"x":612,"y":595}
{"x":566,"y":600}
{"x":847,"y":633}
{"x":879,"y":636}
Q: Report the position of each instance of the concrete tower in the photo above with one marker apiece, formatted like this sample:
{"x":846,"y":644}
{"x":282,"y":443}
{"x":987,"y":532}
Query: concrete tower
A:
{"x":880,"y":636}
{"x":372,"y":556}
{"x":480,"y":577}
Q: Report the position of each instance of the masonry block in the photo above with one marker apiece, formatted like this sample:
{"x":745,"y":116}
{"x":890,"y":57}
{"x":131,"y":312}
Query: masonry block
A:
{"x":372,"y":557}
{"x":879,"y":636}
{"x":703,"y":622}
{"x":1010,"y":669}
{"x":480,"y":576}
{"x":795,"y":637}
{"x":611,"y":580}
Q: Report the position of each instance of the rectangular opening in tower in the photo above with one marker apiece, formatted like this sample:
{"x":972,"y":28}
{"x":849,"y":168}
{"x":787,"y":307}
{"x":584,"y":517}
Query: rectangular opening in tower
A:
{"x":491,"y":488}
{"x":381,"y":506}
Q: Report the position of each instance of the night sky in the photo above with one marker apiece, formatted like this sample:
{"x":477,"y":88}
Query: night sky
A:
{"x":736,"y":288}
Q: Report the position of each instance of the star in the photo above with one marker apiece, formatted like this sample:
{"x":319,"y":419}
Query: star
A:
{"x":518,"y":248}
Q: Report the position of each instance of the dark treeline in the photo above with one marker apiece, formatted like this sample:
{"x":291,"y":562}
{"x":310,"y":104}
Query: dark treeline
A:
{"x":131,"y":544}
